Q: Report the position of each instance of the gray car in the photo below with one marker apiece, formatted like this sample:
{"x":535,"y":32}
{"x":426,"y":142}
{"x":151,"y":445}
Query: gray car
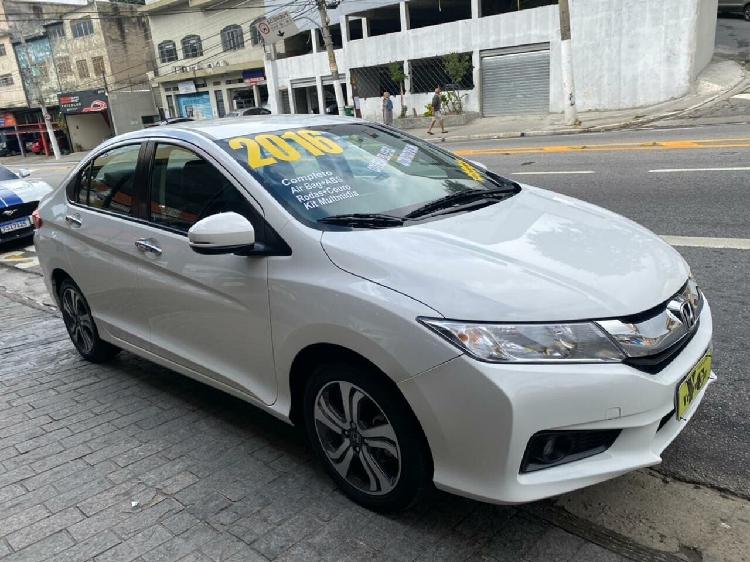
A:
{"x":735,"y":7}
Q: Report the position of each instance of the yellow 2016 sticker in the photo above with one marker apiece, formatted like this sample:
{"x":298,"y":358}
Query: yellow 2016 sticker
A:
{"x":278,"y":148}
{"x":470,"y":171}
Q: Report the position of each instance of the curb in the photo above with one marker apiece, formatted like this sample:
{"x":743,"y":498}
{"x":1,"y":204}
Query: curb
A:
{"x":741,"y":82}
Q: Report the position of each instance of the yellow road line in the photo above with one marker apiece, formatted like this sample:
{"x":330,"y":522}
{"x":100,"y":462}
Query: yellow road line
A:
{"x":613,"y":147}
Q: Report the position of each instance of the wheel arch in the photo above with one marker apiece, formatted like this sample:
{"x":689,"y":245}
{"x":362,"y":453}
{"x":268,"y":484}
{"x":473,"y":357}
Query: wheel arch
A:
{"x":57,"y":276}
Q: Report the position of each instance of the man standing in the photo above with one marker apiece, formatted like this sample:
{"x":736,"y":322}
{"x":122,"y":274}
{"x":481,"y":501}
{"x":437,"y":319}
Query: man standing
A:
{"x":387,"y":109}
{"x":437,"y":113}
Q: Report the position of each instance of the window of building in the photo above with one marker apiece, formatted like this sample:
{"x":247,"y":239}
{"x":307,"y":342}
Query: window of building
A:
{"x":355,"y":29}
{"x":192,"y":46}
{"x":185,"y":188}
{"x":37,"y":12}
{"x":63,"y":66}
{"x":426,"y":74}
{"x":494,"y":7}
{"x":42,"y":71}
{"x":387,"y":19}
{"x":167,"y":51}
{"x":422,"y":13}
{"x":6,"y":80}
{"x":56,"y":30}
{"x":98,"y":64}
{"x":83,"y":69}
{"x":372,"y":81}
{"x":232,"y":38}
{"x":81,"y":27}
{"x":255,"y":38}
{"x":109,"y":184}
{"x":2,"y":50}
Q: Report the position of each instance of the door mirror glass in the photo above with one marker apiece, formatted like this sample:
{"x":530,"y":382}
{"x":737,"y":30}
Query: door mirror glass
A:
{"x":222,"y":233}
{"x":24,"y":173}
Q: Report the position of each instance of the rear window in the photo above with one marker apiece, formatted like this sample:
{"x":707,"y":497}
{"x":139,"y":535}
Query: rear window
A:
{"x":318,"y":172}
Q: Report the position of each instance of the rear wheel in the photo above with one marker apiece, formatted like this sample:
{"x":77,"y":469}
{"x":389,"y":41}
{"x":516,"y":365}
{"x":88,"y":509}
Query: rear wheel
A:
{"x":366,"y":437}
{"x":80,"y":325}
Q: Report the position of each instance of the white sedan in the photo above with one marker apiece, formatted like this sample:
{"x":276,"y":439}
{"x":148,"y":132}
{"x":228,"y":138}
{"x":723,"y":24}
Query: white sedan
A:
{"x":19,"y":197}
{"x":423,"y":318}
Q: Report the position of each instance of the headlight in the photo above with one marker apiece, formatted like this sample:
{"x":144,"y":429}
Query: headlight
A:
{"x":581,"y":342}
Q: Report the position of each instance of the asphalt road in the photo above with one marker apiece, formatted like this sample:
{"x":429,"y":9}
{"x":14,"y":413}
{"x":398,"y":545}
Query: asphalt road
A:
{"x":714,"y":449}
{"x":617,"y":170}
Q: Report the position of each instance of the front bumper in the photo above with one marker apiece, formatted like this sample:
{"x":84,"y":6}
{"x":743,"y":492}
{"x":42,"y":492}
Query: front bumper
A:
{"x":478,"y":418}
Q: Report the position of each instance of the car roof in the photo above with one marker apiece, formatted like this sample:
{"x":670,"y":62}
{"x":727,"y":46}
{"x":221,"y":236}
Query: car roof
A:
{"x":227,"y":127}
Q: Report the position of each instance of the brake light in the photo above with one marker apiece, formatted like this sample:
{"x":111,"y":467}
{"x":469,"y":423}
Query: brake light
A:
{"x":36,"y":219}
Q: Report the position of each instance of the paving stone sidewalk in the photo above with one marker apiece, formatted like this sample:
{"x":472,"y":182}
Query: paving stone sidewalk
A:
{"x":131,"y":461}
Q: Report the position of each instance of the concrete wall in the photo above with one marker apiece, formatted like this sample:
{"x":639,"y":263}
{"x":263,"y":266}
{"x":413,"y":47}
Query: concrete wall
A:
{"x":87,"y":130}
{"x":127,"y":108}
{"x":705,"y":34}
{"x":13,"y":95}
{"x":130,"y":55}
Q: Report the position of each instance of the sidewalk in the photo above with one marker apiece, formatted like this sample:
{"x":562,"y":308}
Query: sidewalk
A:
{"x":719,"y":79}
{"x":31,"y":160}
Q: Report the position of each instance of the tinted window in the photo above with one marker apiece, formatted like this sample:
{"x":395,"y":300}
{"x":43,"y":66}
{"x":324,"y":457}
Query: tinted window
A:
{"x":109,"y":183}
{"x":186,"y":188}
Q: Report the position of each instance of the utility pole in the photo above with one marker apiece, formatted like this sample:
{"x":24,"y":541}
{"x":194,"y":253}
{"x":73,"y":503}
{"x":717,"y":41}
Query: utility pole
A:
{"x":324,"y":23}
{"x":39,"y":97}
{"x":566,"y":52}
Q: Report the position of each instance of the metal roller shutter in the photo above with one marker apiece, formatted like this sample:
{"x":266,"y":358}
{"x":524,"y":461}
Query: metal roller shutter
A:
{"x":515,"y":83}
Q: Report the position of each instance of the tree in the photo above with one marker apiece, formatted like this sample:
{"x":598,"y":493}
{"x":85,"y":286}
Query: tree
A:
{"x":398,"y":76}
{"x":456,"y":66}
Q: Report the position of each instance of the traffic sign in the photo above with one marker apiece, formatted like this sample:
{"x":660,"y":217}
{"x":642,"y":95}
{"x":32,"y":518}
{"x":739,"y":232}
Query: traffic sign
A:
{"x":276,"y":28}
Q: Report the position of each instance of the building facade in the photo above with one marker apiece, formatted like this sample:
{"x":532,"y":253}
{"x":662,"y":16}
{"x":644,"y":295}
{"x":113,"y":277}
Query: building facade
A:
{"x":209,"y":57}
{"x":626,"y":54}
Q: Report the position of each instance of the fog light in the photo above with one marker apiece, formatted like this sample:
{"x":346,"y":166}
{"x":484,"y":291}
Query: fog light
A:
{"x":553,"y":448}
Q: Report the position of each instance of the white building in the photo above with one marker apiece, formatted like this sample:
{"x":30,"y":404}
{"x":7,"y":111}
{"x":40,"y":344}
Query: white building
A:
{"x":626,"y":54}
{"x":209,"y":60}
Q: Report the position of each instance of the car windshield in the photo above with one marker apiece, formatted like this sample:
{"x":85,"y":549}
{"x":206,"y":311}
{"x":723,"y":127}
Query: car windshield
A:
{"x":354,"y":169}
{"x":6,"y":174}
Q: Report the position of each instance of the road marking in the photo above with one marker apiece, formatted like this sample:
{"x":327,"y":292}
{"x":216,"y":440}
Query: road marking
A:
{"x":676,"y":170}
{"x":551,"y":173}
{"x":25,"y":258}
{"x":703,"y":144}
{"x":742,"y":97}
{"x":699,"y":242}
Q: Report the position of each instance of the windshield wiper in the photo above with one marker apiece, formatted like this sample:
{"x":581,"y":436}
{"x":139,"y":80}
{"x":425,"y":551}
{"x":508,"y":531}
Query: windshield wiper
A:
{"x":364,"y":220}
{"x":460,"y":198}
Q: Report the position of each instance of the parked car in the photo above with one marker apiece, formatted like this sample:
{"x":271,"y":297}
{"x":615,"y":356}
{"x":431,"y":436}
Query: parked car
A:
{"x":37,"y":147}
{"x":735,"y":7}
{"x":423,"y":318}
{"x":170,"y":121}
{"x":19,"y":197}
{"x":249,"y":111}
{"x":9,"y":145}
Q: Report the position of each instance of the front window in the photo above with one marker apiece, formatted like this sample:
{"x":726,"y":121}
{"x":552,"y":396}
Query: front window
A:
{"x":325,"y":171}
{"x":109,"y":182}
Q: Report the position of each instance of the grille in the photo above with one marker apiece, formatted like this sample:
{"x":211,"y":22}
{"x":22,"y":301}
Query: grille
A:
{"x":22,"y":210}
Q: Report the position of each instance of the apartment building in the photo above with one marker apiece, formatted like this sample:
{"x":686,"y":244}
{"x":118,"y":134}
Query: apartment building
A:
{"x":210,"y":60}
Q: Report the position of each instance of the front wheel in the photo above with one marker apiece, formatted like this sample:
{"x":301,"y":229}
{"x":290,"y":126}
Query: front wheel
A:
{"x":80,"y":325}
{"x":366,"y":437}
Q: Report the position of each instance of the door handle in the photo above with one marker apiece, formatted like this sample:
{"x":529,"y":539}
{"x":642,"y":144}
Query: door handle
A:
{"x":73,"y":220}
{"x":148,"y":245}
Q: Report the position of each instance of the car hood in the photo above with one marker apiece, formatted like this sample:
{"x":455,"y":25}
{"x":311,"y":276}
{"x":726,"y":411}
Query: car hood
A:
{"x":14,"y":192}
{"x":537,"y":256}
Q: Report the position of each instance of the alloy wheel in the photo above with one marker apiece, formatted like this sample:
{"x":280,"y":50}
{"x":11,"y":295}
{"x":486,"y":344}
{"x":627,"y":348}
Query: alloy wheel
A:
{"x":78,"y":320}
{"x":357,"y":438}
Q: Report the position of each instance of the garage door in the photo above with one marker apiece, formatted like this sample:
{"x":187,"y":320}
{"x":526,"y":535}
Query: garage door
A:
{"x":515,"y":83}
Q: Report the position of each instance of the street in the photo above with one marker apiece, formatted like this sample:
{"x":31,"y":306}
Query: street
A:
{"x":131,"y":460}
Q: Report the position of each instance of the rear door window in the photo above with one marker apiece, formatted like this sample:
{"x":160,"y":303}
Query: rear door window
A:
{"x":108,"y":184}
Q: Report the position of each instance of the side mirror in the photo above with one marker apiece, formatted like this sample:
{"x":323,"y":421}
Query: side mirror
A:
{"x":24,"y":173}
{"x":478,"y":164}
{"x":223,"y":233}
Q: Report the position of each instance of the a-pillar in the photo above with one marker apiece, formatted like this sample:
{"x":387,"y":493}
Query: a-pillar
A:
{"x":321,"y":96}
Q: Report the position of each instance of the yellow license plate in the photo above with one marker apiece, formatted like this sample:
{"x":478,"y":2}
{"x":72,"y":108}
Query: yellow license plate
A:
{"x":692,"y":384}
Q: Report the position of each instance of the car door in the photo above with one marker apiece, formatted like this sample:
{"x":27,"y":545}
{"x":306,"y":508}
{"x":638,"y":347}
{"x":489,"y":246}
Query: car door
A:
{"x":208,"y":313}
{"x":102,"y":260}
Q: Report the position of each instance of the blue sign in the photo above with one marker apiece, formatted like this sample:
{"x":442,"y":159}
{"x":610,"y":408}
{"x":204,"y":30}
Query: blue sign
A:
{"x":195,"y":106}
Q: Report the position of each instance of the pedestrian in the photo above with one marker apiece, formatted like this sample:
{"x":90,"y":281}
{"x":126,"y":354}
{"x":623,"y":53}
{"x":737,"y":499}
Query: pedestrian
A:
{"x":437,"y":113}
{"x":387,"y":108}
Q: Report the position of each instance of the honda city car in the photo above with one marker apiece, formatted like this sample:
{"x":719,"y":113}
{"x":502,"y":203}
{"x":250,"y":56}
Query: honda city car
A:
{"x":19,"y":197}
{"x":424,"y":319}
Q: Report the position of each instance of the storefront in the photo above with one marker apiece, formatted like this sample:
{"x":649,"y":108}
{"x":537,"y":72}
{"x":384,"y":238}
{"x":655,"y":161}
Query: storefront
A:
{"x":88,"y":118}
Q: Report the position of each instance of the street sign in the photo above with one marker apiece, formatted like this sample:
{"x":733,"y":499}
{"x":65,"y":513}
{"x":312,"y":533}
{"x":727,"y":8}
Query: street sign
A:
{"x":276,"y":27}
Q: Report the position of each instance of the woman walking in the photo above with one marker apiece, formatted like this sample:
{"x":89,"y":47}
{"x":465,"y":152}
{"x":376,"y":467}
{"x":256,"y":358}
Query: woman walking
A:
{"x":387,"y":109}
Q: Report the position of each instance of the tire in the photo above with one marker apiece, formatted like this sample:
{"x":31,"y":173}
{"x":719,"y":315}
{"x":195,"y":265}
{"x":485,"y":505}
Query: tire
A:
{"x":80,"y":325}
{"x":381,"y":461}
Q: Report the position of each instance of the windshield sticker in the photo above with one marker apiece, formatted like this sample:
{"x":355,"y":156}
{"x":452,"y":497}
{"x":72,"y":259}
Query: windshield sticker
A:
{"x":470,"y":171}
{"x":319,"y":189}
{"x":407,"y":155}
{"x":266,"y":150}
{"x":381,"y":159}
